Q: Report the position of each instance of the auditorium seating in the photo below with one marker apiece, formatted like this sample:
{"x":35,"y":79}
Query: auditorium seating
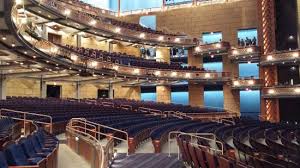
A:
{"x":95,"y":13}
{"x":250,"y":145}
{"x":124,"y":59}
{"x":38,"y":150}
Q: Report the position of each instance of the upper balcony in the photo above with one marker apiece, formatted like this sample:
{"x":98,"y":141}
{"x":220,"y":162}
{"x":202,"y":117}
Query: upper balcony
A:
{"x":281,"y":91}
{"x":245,"y":54}
{"x":281,"y":57}
{"x":212,"y":49}
{"x":76,"y":18}
{"x":246,"y":83}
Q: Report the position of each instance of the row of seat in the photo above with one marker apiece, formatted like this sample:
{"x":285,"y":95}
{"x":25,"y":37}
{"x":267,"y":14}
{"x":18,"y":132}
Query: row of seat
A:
{"x":36,"y":150}
{"x":129,"y":60}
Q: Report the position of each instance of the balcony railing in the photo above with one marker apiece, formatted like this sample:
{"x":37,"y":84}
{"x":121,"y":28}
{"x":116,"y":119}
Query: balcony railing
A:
{"x":281,"y":57}
{"x":98,"y":26}
{"x":251,"y":53}
{"x":213,"y":48}
{"x":284,"y":91}
{"x":120,"y":70}
{"x":246,"y":83}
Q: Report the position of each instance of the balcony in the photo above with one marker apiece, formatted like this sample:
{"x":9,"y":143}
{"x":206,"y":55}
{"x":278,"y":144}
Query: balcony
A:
{"x":284,"y":91}
{"x":212,"y":49}
{"x":243,"y":55}
{"x":246,"y":83}
{"x":282,"y":57}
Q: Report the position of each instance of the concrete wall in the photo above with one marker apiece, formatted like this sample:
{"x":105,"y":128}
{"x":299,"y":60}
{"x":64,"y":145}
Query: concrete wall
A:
{"x":226,"y":17}
{"x":127,"y":92}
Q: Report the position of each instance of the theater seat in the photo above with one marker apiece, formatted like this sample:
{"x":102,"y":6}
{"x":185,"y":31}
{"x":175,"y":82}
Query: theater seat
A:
{"x":3,"y":162}
{"x":16,"y":156}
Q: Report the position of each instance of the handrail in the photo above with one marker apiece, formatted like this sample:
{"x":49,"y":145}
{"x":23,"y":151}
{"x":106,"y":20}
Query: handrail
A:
{"x":79,"y":133}
{"x":25,"y":119}
{"x":99,"y":126}
{"x":198,"y":136}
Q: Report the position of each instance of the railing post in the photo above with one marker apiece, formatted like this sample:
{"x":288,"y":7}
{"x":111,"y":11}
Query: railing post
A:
{"x":24,"y":124}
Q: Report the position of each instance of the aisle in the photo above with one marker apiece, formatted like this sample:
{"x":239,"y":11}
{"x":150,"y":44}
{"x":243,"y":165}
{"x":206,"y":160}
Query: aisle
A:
{"x":69,"y":159}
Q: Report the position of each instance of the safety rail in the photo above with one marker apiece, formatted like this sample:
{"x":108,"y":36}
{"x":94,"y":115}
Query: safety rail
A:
{"x":126,"y":107}
{"x":27,"y":117}
{"x":96,"y":131}
{"x":151,"y":111}
{"x":198,"y":136}
{"x":87,"y":137}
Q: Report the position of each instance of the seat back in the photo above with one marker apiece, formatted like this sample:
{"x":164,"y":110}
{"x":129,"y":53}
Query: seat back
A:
{"x":180,"y":145}
{"x":200,"y":157}
{"x":223,"y":162}
{"x":192,"y":152}
{"x":210,"y":159}
{"x":28,"y":148}
{"x":15,"y":155}
{"x":3,"y":161}
{"x":186,"y":151}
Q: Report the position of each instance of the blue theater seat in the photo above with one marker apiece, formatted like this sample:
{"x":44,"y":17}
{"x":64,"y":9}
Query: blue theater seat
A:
{"x":3,"y":162}
{"x":16,"y":157}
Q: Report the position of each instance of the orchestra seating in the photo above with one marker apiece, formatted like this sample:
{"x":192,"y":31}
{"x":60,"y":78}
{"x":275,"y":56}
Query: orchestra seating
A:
{"x":135,"y":105}
{"x":124,"y":59}
{"x":251,"y":140}
{"x":39,"y":150}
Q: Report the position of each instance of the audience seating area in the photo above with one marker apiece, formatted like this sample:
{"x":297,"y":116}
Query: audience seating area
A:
{"x":37,"y":150}
{"x":248,"y":143}
{"x":96,"y":14}
{"x":129,"y":60}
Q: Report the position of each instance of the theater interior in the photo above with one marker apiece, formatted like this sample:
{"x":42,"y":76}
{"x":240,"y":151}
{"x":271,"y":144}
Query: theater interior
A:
{"x":149,"y":84}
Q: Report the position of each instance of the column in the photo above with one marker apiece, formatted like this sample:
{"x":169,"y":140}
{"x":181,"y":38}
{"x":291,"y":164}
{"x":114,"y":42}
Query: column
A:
{"x":228,"y":66}
{"x":44,"y":32}
{"x":2,"y":87}
{"x":78,"y":40}
{"x":196,"y":95}
{"x":267,"y":39}
{"x":231,"y":99}
{"x":43,"y":88}
{"x":163,"y":54}
{"x":194,"y":60}
{"x":78,"y":90}
{"x":298,"y":16}
{"x":163,"y":94}
{"x":110,"y":91}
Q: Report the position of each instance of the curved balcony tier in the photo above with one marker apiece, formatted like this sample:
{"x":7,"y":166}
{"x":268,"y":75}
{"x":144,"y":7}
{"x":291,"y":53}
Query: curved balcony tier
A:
{"x":281,"y":57}
{"x":282,"y":91}
{"x":245,"y":54}
{"x":69,"y":16}
{"x":49,"y":53}
{"x":246,"y":84}
{"x":219,"y":48}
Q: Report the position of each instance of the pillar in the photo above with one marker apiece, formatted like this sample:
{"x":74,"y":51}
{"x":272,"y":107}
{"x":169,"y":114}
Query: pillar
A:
{"x":78,"y":90}
{"x":231,"y":99}
{"x":43,"y":88}
{"x":298,"y":16}
{"x":163,"y":94}
{"x":231,"y":67}
{"x":78,"y":40}
{"x":110,"y":47}
{"x":267,"y":39}
{"x":44,"y":32}
{"x":3,"y":87}
{"x":163,"y":54}
{"x":110,"y":91}
{"x":196,"y":95}
{"x":194,"y":60}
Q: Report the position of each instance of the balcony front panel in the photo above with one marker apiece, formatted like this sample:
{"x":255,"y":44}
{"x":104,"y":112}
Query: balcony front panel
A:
{"x":282,"y":57}
{"x":290,"y":91}
{"x":246,"y":83}
{"x":212,"y":49}
{"x":242,"y":55}
{"x":66,"y":15}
